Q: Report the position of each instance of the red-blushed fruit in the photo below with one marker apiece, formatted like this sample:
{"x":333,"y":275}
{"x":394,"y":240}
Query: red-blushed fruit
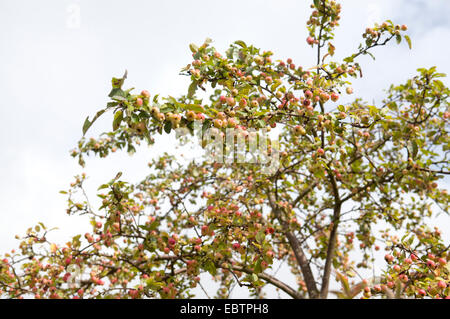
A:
{"x":133,"y":293}
{"x":236,"y":246}
{"x":320,"y":152}
{"x":342,"y":115}
{"x":310,"y":40}
{"x":139,"y":101}
{"x":259,"y":60}
{"x":422,"y":292}
{"x":442,"y":261}
{"x":397,"y":268}
{"x":218,"y":123}
{"x":431,"y":264}
{"x":222,"y":99}
{"x":205,"y":230}
{"x":232,"y":122}
{"x":442,"y":284}
{"x":308,"y":94}
{"x":389,"y":258}
{"x":67,"y":276}
{"x":171,"y":241}
{"x":145,"y":94}
{"x":299,"y":130}
{"x":231,"y":101}
{"x":334,"y":97}
{"x":221,"y":115}
{"x":324,"y":96}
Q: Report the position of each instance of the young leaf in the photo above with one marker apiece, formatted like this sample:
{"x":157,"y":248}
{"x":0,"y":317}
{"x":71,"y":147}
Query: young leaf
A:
{"x":408,"y":39}
{"x":118,"y":117}
{"x":193,"y":48}
{"x":241,"y":43}
{"x":192,"y":89}
{"x":87,"y":124}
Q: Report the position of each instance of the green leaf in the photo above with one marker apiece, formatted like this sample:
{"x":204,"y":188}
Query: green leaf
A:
{"x":192,"y":89}
{"x":210,"y":267}
{"x":193,"y":47}
{"x":117,"y":92}
{"x":117,"y":176}
{"x":167,"y":108}
{"x":103,"y":186}
{"x":257,"y":269}
{"x":87,"y":124}
{"x":119,"y":98}
{"x":241,"y":43}
{"x":349,"y":59}
{"x":415,"y":149}
{"x":117,"y":82}
{"x":371,"y":55}
{"x":408,"y":39}
{"x":167,"y":127}
{"x":398,"y":289}
{"x":118,"y":117}
{"x":260,"y":236}
{"x":192,"y":107}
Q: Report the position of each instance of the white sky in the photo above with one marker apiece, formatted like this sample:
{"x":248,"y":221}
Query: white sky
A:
{"x":54,"y":72}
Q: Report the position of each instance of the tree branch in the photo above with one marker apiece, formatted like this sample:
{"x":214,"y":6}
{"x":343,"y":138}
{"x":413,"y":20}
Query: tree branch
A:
{"x":333,"y":238}
{"x":298,"y":251}
{"x":274,"y":281}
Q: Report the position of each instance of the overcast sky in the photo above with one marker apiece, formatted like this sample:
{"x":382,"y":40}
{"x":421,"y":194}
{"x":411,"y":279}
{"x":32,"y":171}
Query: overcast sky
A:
{"x":57,"y":58}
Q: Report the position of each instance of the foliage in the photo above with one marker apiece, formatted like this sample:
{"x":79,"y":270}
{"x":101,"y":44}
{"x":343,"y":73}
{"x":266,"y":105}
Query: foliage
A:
{"x":348,"y":172}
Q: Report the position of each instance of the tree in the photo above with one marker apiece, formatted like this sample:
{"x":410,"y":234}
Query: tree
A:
{"x":346,"y":172}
